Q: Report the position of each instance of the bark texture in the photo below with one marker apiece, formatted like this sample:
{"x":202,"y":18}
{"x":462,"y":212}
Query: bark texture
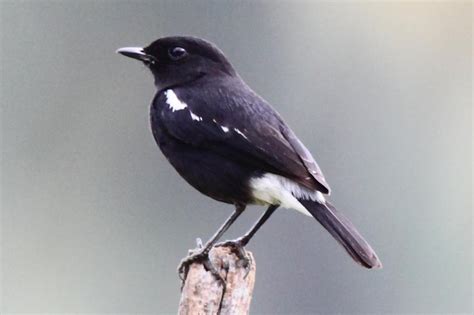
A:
{"x":202,"y":293}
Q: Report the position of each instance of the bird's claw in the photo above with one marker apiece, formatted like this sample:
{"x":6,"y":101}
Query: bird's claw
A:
{"x":197,"y":255}
{"x":237,"y":247}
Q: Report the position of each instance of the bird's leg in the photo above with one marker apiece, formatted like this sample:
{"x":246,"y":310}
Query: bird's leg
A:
{"x":239,"y":243}
{"x":202,"y":253}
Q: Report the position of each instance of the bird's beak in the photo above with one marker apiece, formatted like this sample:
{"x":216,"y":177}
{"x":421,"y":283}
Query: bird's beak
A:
{"x":135,"y":53}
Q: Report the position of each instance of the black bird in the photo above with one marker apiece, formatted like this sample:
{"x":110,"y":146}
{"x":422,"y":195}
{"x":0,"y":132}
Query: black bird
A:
{"x":231,"y":145}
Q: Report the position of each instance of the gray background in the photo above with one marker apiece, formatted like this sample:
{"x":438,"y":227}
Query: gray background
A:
{"x":95,"y":220}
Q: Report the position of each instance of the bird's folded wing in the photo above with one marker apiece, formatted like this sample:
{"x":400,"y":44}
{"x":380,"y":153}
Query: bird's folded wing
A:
{"x":247,"y":130}
{"x":305,"y":156}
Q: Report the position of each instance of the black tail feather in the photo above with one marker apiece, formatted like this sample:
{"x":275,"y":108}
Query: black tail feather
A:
{"x":344,"y":232}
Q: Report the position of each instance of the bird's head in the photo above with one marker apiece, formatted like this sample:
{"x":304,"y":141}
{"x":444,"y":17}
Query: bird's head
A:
{"x":180,"y":59}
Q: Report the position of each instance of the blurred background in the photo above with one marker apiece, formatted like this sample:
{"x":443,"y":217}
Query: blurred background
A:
{"x":95,"y":220}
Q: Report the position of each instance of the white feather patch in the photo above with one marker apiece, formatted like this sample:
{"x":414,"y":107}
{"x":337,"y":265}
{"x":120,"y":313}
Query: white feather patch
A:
{"x":240,"y":133}
{"x":276,"y":189}
{"x":173,"y":101}
{"x":225,"y":129}
{"x":195,"y":117}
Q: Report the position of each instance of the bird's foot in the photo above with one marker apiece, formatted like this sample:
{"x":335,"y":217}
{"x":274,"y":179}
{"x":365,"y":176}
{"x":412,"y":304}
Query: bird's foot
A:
{"x":201,"y":255}
{"x":237,"y":247}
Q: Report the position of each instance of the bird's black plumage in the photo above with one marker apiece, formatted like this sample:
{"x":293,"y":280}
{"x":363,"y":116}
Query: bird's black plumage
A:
{"x":232,"y":122}
{"x":229,"y":143}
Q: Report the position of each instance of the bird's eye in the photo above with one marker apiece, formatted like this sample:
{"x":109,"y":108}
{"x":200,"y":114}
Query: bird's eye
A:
{"x":177,"y":53}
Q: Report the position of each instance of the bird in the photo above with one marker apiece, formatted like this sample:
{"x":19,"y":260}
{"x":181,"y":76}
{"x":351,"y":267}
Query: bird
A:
{"x":231,"y":145}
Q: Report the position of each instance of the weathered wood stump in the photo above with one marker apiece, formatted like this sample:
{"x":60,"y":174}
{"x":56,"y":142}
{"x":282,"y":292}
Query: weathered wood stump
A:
{"x":203,"y":293}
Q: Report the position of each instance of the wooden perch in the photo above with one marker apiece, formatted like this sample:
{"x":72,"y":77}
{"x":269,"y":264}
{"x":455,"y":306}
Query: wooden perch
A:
{"x":203,"y":293}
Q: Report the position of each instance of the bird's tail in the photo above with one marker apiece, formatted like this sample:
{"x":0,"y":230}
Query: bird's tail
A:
{"x":344,"y":232}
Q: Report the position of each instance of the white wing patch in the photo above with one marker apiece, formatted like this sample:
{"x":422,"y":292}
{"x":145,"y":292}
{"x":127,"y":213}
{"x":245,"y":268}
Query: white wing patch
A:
{"x":227,"y":129}
{"x":240,"y":133}
{"x":276,"y":189}
{"x":174,"y":102}
{"x":195,"y":117}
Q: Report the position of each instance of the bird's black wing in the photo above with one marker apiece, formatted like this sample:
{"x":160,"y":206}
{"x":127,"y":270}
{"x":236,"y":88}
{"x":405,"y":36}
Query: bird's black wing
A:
{"x":305,"y":156}
{"x":240,"y":125}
